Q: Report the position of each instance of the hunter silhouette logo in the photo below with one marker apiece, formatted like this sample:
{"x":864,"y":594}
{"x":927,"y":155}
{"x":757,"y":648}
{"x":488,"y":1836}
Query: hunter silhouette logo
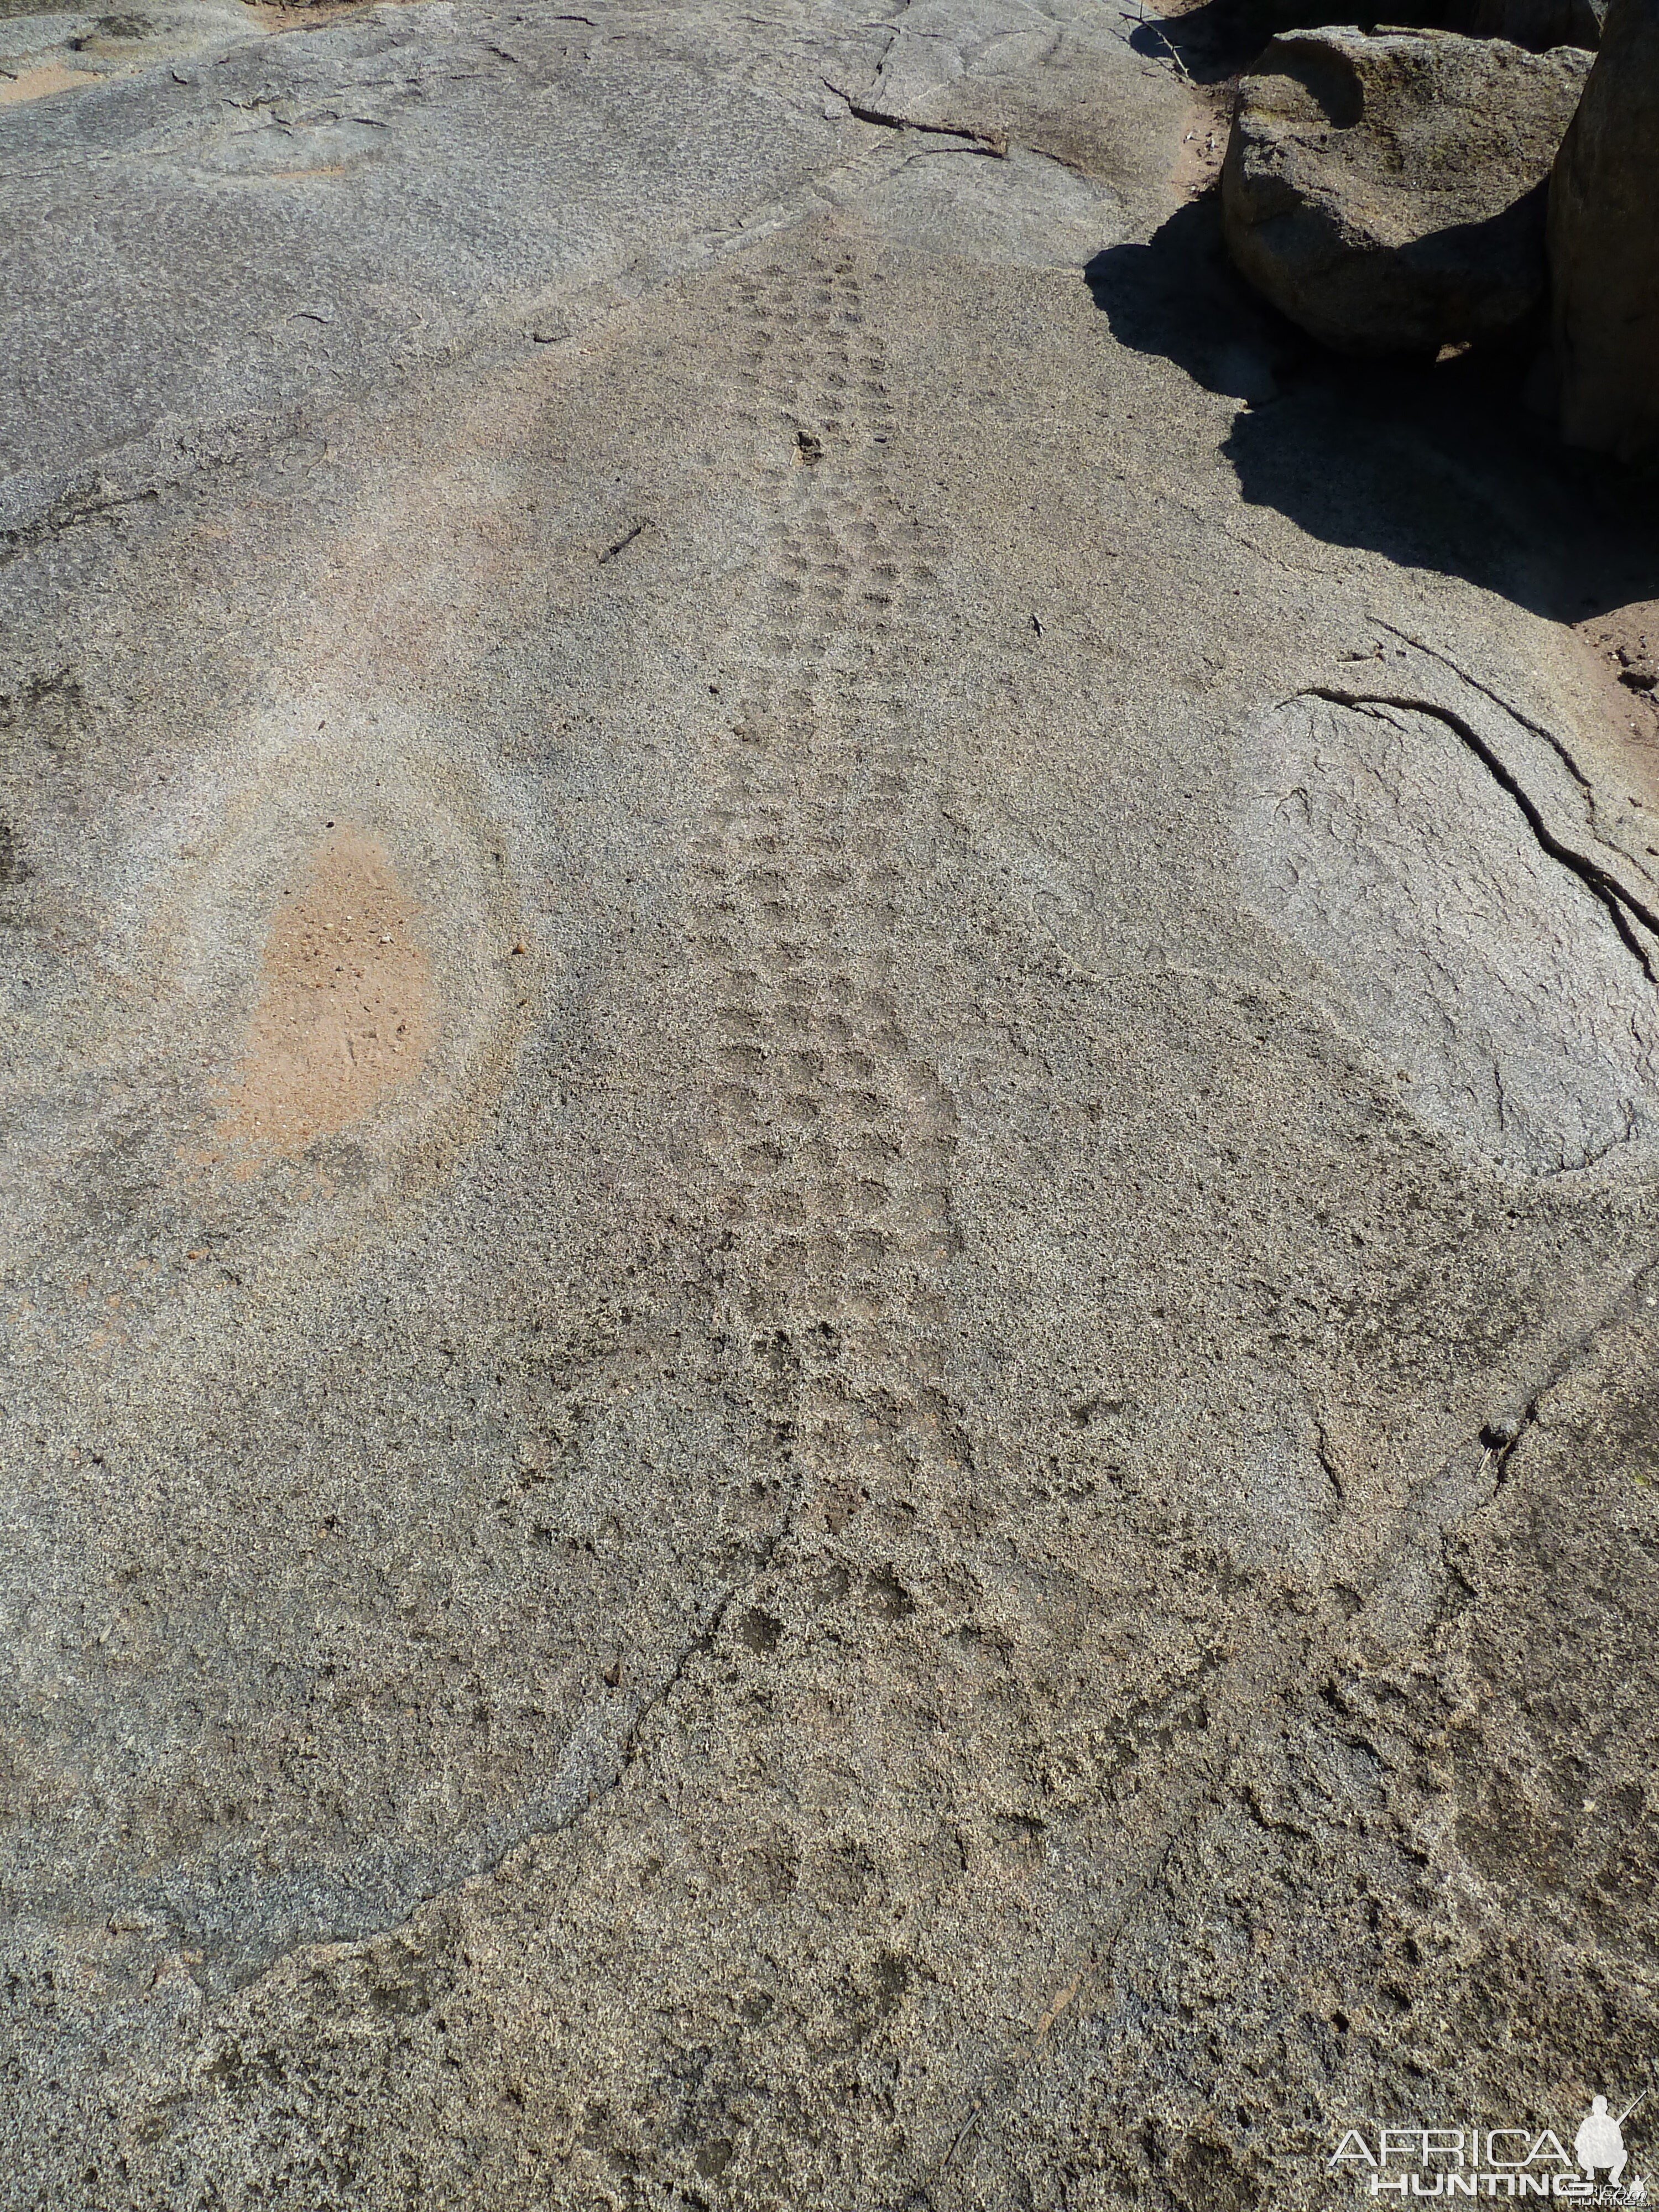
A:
{"x":1599,"y":2141}
{"x":1507,"y":2161}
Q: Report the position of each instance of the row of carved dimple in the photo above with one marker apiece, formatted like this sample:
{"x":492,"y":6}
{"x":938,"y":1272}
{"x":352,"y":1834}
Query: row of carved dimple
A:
{"x":837,"y":1139}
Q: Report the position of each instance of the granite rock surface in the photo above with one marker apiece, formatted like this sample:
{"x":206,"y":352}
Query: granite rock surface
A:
{"x":829,"y":1129}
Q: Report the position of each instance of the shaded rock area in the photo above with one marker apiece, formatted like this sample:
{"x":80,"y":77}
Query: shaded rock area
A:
{"x":1604,"y":246}
{"x":1387,"y":193}
{"x":830,"y":1135}
{"x":1538,"y":25}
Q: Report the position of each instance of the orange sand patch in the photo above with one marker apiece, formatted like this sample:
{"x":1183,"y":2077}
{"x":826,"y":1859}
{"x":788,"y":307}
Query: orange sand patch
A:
{"x":345,"y":1010}
{"x":36,"y":83}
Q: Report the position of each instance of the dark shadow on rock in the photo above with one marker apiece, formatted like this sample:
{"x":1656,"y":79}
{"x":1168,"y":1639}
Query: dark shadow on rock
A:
{"x":1210,"y":43}
{"x":1180,"y":296}
{"x":1512,"y":240}
{"x":1442,"y":466}
{"x":1446,"y":467}
{"x":1221,"y":38}
{"x":1538,"y":25}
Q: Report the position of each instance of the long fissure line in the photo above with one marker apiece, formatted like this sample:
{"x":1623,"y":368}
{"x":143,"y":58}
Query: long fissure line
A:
{"x":1620,"y":903}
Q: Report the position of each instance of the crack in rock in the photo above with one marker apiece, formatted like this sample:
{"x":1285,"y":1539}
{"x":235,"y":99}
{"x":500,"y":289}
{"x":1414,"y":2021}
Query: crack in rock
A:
{"x":1620,"y":903}
{"x":986,"y":142}
{"x":1497,"y":957}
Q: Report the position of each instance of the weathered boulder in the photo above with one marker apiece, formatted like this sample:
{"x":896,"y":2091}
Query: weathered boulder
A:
{"x":1387,"y":193}
{"x":1604,"y":243}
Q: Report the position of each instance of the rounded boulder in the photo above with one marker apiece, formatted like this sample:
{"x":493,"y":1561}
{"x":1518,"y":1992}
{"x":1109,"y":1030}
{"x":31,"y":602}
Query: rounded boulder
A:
{"x":1387,"y":193}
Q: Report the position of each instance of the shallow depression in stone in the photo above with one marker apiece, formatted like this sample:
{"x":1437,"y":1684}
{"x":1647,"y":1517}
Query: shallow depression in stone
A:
{"x":345,"y":1011}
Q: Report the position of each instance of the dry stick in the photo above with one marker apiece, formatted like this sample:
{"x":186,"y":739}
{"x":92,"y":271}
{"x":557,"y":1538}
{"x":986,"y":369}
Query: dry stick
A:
{"x":987,"y":142}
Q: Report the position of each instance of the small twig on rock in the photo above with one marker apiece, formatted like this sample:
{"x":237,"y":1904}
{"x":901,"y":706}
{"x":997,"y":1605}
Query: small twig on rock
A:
{"x":624,"y":541}
{"x":990,"y":142}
